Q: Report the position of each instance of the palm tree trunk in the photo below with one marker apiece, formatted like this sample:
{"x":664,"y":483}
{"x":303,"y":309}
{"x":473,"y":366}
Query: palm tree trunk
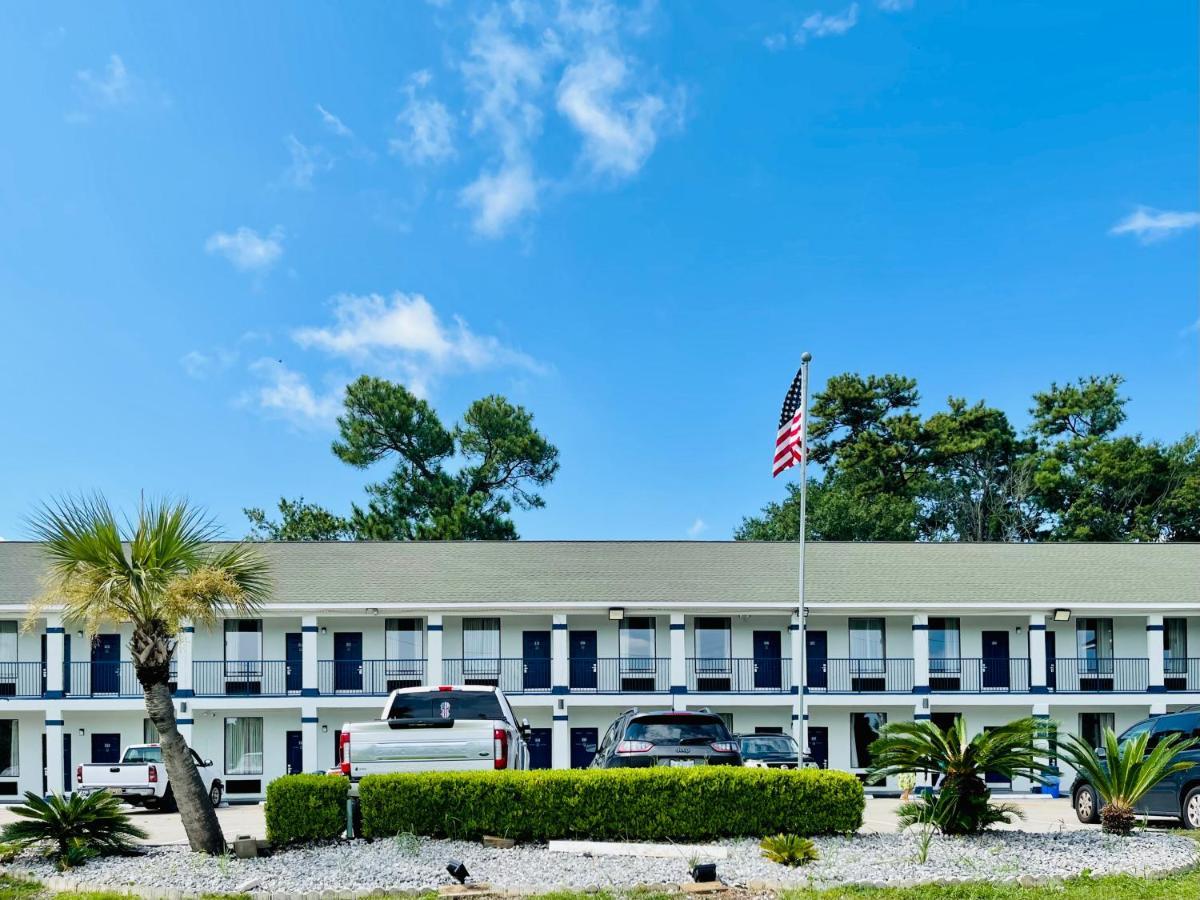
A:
{"x":195,"y":808}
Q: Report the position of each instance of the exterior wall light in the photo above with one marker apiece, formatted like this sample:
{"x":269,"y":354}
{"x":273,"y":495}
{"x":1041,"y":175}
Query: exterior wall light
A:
{"x":616,"y":613}
{"x":1062,"y":615}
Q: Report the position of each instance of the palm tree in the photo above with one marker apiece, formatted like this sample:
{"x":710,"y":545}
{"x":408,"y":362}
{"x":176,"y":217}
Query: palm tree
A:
{"x":1125,"y":772}
{"x":154,"y":574}
{"x":965,"y":805}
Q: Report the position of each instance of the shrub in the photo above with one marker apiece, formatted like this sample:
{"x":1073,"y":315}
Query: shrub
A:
{"x":306,"y":808}
{"x":73,"y":830}
{"x":621,"y":804}
{"x":789,"y":850}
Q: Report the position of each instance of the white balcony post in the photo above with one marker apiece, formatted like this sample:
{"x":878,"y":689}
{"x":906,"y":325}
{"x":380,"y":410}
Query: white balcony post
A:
{"x":1037,"y":653}
{"x":920,"y":642}
{"x":679,"y":681}
{"x":560,"y":676}
{"x":184,"y":719}
{"x":55,"y":638}
{"x":308,"y":737}
{"x":798,"y":674}
{"x":1154,"y":652}
{"x":560,"y":736}
{"x":309,"y":680}
{"x":184,"y":657}
{"x":54,"y":749}
{"x":433,"y":649}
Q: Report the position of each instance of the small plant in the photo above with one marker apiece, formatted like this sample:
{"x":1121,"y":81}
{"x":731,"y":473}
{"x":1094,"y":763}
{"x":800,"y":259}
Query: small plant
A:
{"x":9,"y":852}
{"x":73,"y":830}
{"x":408,"y":844}
{"x":789,"y":850}
{"x":907,"y":781}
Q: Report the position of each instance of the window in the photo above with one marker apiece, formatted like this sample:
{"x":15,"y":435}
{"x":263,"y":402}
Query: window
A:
{"x":243,"y":746}
{"x":867,"y":639}
{"x":8,"y":641}
{"x":1094,"y":639}
{"x":10,"y":739}
{"x":243,"y":648}
{"x":637,"y":644}
{"x":435,"y":705}
{"x":712,"y":644}
{"x":1175,"y":647}
{"x":481,"y":646}
{"x":404,"y":646}
{"x":149,"y":732}
{"x":864,"y":729}
{"x":143,"y":755}
{"x":943,"y":645}
{"x":1092,"y":726}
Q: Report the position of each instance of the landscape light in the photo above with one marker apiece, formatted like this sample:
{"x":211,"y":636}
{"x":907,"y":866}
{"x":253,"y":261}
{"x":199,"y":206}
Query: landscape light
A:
{"x":457,"y":871}
{"x":616,"y":613}
{"x":703,"y":872}
{"x":1062,"y":615}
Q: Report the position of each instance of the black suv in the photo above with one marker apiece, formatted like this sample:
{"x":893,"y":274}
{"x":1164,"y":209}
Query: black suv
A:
{"x":1176,"y":797}
{"x":775,"y":751}
{"x":683,"y":738}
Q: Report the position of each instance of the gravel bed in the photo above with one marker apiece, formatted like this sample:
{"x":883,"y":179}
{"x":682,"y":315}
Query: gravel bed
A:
{"x":420,"y":864}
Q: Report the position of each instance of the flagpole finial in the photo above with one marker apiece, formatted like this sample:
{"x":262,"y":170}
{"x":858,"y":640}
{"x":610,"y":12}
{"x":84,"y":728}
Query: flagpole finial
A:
{"x":805,"y":356}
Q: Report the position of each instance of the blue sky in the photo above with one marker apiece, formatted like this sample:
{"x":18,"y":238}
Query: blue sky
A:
{"x":630,"y":219}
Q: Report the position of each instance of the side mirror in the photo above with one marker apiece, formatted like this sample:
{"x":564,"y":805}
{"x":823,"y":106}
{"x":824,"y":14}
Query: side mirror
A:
{"x":1101,"y":753}
{"x":207,"y":763}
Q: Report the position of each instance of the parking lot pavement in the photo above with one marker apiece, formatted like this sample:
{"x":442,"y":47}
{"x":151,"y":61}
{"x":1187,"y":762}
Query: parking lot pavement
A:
{"x":1040,"y":815}
{"x":166,"y":828}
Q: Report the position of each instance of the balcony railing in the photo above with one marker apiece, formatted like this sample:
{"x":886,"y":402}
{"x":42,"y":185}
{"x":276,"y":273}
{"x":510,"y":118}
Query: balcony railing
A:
{"x":513,"y":676}
{"x":246,"y":678}
{"x":860,"y":676}
{"x":22,"y":680}
{"x":619,"y":675}
{"x":369,"y":677}
{"x":1181,"y":674}
{"x":979,"y":676}
{"x":1084,"y":676}
{"x":743,"y":676}
{"x":101,"y":678}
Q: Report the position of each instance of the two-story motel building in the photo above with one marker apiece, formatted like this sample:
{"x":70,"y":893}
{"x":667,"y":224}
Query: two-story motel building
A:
{"x":1089,"y":635}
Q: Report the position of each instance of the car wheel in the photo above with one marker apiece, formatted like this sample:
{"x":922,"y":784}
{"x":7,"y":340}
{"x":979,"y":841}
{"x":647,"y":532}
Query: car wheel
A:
{"x":1191,"y":809}
{"x":1087,"y":805}
{"x":214,"y":794}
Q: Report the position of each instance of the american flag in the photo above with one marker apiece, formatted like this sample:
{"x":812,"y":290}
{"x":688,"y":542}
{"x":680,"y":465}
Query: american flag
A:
{"x":789,"y":441}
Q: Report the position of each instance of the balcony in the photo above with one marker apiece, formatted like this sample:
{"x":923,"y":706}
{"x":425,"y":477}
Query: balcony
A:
{"x":1097,"y":675}
{"x":739,"y":676}
{"x":102,"y":678}
{"x":246,"y":678}
{"x":1181,"y":674}
{"x":615,"y":675}
{"x":860,"y":676}
{"x":368,"y":677}
{"x":979,"y":676}
{"x":513,"y":676}
{"x":22,"y":680}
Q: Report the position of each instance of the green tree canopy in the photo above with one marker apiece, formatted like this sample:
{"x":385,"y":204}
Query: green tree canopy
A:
{"x":458,"y":483}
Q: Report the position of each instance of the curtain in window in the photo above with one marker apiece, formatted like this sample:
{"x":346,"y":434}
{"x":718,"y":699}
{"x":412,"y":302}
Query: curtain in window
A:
{"x":1175,"y":646}
{"x":1092,"y":726}
{"x":636,"y":643}
{"x":243,"y":648}
{"x":9,"y":742}
{"x":243,"y":746}
{"x":867,"y":646}
{"x":149,"y":732}
{"x":712,"y":644}
{"x":1094,"y":645}
{"x":404,"y":646}
{"x":864,"y":729}
{"x":943,"y":646}
{"x":8,"y":654}
{"x":481,"y":646}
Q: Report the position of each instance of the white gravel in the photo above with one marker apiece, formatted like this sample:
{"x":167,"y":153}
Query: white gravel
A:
{"x":420,"y":864}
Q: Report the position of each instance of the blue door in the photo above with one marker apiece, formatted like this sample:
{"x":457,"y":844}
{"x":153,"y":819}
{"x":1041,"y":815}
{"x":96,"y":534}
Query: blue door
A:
{"x":816,"y":658}
{"x":818,"y":745}
{"x":106,"y":748}
{"x":535,"y":647}
{"x":106,"y":664}
{"x":583,"y":660}
{"x":539,"y":748}
{"x":68,"y":784}
{"x":995,"y":661}
{"x":768,"y":660}
{"x":347,"y":661}
{"x":294,"y":667}
{"x":583,"y":746}
{"x":295,"y":752}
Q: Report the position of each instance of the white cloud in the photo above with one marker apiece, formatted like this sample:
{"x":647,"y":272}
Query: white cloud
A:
{"x":500,"y":198}
{"x":697,"y":528}
{"x":1150,"y":225}
{"x":895,"y":5}
{"x":333,"y":123}
{"x":427,"y":132}
{"x":831,"y":25}
{"x":113,"y":87}
{"x":287,"y":394}
{"x":618,"y":134}
{"x":246,"y":249}
{"x":200,"y":365}
{"x":306,"y":162}
{"x":775,"y":42}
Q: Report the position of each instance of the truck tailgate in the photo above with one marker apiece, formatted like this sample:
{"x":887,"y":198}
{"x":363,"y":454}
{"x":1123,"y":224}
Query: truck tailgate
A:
{"x":106,"y":775}
{"x":380,"y":748}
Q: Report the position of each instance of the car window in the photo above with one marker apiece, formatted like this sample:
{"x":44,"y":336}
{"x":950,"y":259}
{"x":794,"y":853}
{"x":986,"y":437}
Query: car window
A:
{"x":446,"y":705}
{"x":1182,"y":726}
{"x":143,"y":755}
{"x":669,"y":729}
{"x":765,"y":745}
{"x":1135,"y":730}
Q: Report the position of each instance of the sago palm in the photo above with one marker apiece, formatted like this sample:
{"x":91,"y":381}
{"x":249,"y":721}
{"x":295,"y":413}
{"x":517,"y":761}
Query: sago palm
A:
{"x":1126,"y":772}
{"x":965,"y":805}
{"x":73,"y":828}
{"x":153,"y":574}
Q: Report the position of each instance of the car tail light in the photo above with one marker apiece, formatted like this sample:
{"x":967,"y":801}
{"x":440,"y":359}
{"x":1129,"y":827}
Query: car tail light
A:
{"x":345,"y":753}
{"x":725,"y":746}
{"x":79,"y":774}
{"x":152,"y":771}
{"x":634,"y":747}
{"x":500,"y":747}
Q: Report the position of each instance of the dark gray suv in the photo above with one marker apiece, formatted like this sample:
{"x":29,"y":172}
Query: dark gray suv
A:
{"x":682,"y":738}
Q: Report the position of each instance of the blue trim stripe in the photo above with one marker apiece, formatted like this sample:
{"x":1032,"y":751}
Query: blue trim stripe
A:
{"x":184,"y":721}
{"x":921,"y":717}
{"x":560,"y":689}
{"x":309,"y":692}
{"x":310,"y":629}
{"x":678,"y":626}
{"x":795,"y":717}
{"x":1154,"y":627}
{"x":805,"y":717}
{"x":54,"y":723}
{"x":918,"y":627}
{"x":559,"y":626}
{"x":558,"y":718}
{"x":189,"y":629}
{"x":309,"y":720}
{"x":1037,"y":626}
{"x":54,"y":695}
{"x":1156,"y":689}
{"x":184,"y":692}
{"x":433,"y":627}
{"x":1041,"y":715}
{"x":795,"y":689}
{"x":920,"y":689}
{"x":55,"y":629}
{"x":792,"y":626}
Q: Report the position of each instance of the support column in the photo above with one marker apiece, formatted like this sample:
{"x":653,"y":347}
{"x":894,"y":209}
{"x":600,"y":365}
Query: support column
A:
{"x":310,"y":680}
{"x":679,"y":678}
{"x":55,"y":638}
{"x":1158,"y":708}
{"x":1037,"y":653}
{"x":433,"y":649}
{"x":1154,"y":652}
{"x":560,"y":736}
{"x":920,"y":642}
{"x":184,"y":657}
{"x":54,"y":749}
{"x":560,"y":666}
{"x":309,"y":737}
{"x":185,"y":719}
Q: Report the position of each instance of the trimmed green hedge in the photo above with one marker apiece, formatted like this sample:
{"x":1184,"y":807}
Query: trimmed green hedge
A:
{"x":306,"y":808}
{"x":618,"y":804}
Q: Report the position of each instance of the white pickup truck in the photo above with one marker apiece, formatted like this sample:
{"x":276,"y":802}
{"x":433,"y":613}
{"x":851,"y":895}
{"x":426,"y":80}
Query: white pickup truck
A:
{"x":437,"y":729}
{"x":140,"y":778}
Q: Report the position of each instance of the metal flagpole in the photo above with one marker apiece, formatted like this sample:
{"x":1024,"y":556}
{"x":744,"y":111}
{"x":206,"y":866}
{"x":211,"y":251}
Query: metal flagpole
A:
{"x":802,"y":680}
